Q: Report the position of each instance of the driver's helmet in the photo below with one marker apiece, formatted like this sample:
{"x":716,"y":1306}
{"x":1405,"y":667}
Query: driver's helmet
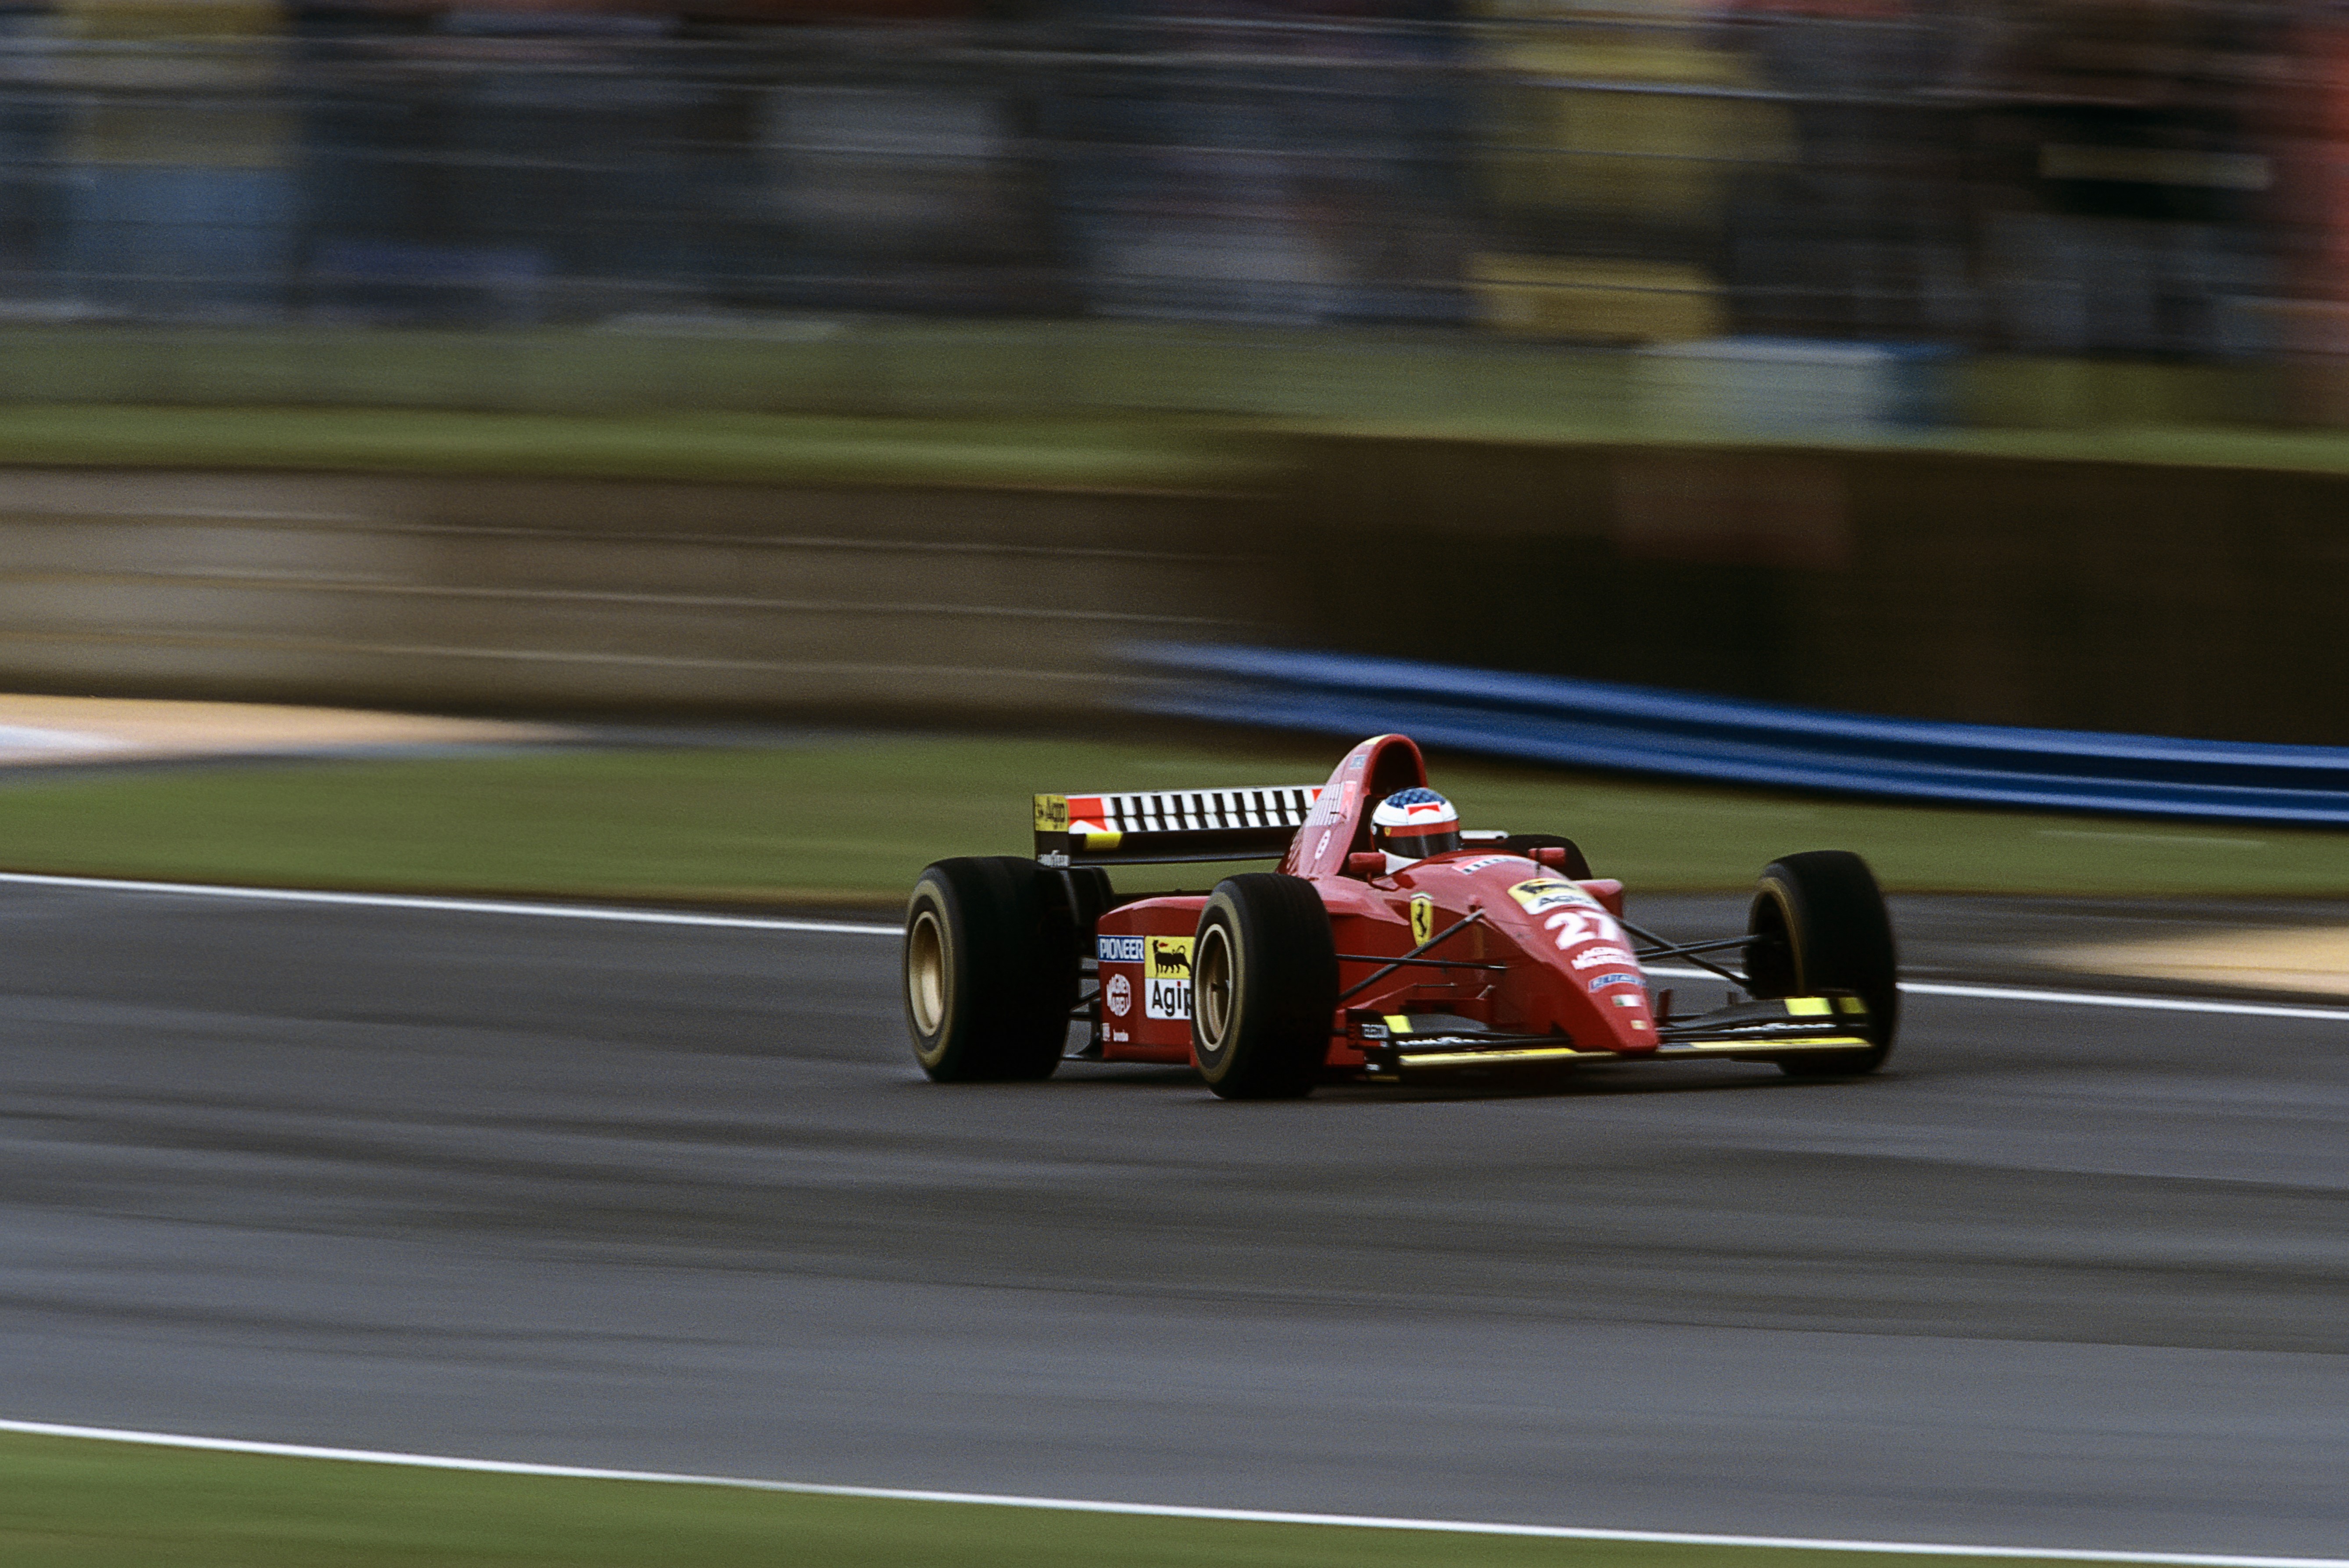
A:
{"x":1412,"y":824}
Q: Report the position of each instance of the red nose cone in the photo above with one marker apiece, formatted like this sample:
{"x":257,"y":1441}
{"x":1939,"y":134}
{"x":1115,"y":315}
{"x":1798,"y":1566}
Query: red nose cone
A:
{"x":1596,"y":955}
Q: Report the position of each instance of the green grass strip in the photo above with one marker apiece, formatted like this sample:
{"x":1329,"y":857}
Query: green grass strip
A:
{"x":855,"y":821}
{"x":1072,"y":452}
{"x":2150,"y":446}
{"x":1470,"y":386}
{"x":1075,"y":452}
{"x":77,"y":1503}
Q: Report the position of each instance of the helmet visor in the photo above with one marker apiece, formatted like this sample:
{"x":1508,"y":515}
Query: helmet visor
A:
{"x":1419,"y":846}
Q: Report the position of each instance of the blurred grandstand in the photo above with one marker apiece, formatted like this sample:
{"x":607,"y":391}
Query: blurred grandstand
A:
{"x":2144,"y":178}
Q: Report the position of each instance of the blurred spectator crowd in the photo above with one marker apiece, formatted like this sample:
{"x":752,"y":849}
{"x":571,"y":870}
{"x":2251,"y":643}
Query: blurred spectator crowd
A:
{"x":2165,"y":178}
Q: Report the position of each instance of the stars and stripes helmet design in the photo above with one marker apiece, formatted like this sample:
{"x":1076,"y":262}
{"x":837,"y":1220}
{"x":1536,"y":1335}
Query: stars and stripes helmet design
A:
{"x":1412,"y":824}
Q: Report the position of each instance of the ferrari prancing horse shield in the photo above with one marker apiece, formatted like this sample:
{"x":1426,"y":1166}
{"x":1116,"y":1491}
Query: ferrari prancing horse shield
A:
{"x":1423,"y":918}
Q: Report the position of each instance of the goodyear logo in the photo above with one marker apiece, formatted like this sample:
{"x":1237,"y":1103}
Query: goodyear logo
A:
{"x":1051,"y":813}
{"x":1423,"y":918}
{"x":1118,"y":949}
{"x":1170,"y":959}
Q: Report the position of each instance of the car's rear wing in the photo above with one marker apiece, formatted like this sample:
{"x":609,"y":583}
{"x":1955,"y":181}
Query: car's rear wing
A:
{"x":1168,"y":827}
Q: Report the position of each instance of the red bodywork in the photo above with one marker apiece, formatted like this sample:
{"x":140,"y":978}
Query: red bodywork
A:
{"x":1569,"y":970}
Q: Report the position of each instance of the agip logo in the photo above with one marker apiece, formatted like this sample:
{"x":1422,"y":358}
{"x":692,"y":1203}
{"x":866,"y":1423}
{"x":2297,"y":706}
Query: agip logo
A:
{"x":1543,"y":895}
{"x":1166,"y":979}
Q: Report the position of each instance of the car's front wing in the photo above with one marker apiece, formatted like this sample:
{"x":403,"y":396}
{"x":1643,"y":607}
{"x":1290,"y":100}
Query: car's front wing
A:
{"x":1762,"y":1031}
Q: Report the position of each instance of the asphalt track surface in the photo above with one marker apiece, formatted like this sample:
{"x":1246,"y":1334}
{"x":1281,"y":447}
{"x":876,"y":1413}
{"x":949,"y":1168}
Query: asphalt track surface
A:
{"x":674,"y":1198}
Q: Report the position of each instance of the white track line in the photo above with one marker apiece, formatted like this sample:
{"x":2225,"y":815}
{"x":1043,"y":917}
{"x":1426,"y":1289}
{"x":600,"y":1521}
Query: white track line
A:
{"x":864,"y":928}
{"x":2100,"y":999}
{"x":2079,"y":998}
{"x":1154,"y":1510}
{"x":455,"y":905}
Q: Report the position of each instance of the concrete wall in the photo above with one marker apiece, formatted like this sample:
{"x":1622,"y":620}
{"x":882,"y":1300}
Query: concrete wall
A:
{"x":2151,"y":598}
{"x":2156,"y":599}
{"x":552,"y":594}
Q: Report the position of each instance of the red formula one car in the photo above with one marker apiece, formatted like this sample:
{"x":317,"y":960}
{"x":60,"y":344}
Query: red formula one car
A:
{"x":1390,"y":945}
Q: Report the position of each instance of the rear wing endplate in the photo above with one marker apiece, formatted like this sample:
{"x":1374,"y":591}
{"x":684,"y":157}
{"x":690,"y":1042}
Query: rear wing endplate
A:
{"x":1168,"y":827}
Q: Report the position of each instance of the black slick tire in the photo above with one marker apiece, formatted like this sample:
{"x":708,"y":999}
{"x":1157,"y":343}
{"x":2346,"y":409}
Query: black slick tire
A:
{"x":1264,"y":987}
{"x":991,"y":970}
{"x":1823,"y":927}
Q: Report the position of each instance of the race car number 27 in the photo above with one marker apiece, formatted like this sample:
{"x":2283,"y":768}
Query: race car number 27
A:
{"x":1576,"y":925}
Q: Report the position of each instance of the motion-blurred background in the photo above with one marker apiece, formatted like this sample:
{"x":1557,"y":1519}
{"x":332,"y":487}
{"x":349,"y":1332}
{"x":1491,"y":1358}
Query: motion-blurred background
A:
{"x":2115,"y":177}
{"x":1944,"y":359}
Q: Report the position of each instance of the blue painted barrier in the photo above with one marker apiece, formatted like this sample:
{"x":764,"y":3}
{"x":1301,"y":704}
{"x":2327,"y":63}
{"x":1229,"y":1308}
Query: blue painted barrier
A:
{"x":1639,"y":730}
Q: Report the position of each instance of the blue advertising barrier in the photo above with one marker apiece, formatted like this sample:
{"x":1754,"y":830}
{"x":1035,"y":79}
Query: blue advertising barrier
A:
{"x":1639,"y":730}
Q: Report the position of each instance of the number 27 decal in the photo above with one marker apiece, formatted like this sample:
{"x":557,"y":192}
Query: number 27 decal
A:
{"x":1577,"y":925}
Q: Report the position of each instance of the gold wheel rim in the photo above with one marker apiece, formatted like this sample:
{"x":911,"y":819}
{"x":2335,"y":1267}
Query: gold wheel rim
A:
{"x":1211,"y":988}
{"x":926,"y":971}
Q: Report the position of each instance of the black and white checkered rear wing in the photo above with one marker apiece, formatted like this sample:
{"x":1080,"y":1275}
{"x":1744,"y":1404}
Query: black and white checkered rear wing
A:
{"x":1165,"y":827}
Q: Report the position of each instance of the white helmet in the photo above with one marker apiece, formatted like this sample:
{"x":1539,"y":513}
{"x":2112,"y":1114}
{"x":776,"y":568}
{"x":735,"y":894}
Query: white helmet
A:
{"x":1412,"y":824}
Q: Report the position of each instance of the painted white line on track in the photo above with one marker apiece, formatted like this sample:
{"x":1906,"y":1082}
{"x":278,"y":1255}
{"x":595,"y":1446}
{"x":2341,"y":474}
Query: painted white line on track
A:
{"x":1155,"y":1510}
{"x":2080,"y":998}
{"x":456,"y":905}
{"x":2104,"y":999}
{"x":867,"y":928}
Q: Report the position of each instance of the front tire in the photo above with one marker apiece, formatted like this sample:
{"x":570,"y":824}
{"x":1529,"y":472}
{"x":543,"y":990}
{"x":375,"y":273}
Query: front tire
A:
{"x":1264,"y":987}
{"x":991,"y":971}
{"x":1823,"y":927}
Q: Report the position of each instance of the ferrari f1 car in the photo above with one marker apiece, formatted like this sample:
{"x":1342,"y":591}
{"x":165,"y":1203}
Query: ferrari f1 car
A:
{"x":1385,"y":948}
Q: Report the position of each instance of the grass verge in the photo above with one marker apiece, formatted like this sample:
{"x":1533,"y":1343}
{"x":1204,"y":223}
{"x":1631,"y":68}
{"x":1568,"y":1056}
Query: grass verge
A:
{"x":1074,"y":452}
{"x":77,"y":1503}
{"x":855,"y":821}
{"x":1078,"y":450}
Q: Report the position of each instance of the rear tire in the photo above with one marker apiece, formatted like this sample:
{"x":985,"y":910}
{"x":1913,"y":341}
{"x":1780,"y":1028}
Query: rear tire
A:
{"x":1264,"y":987}
{"x":990,"y":964}
{"x":1826,"y":929}
{"x":1090,"y":897}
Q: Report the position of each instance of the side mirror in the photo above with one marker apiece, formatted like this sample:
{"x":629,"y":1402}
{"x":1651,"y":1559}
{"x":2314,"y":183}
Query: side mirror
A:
{"x":1365,"y":864}
{"x":1553,"y":857}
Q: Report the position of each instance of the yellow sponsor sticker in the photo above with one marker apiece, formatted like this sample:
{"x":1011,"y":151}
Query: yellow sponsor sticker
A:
{"x":1543,"y":895}
{"x":1807,"y":1007}
{"x":1106,"y":842}
{"x":1167,"y":978}
{"x":1423,"y":918}
{"x":1051,"y":813}
{"x":1399,"y":1022}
